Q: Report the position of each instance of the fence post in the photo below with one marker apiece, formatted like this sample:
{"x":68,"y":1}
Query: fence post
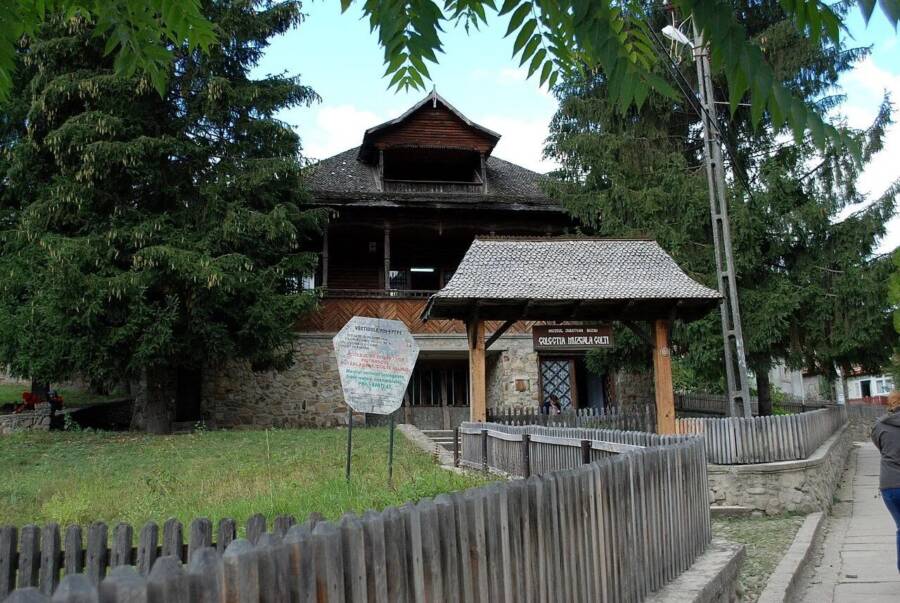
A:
{"x":484,"y":447}
{"x":456,"y":447}
{"x":526,"y":455}
{"x":585,"y":451}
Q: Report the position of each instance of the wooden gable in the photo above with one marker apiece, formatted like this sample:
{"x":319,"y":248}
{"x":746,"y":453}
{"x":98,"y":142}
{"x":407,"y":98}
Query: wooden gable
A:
{"x":434,"y":127}
{"x":432,"y":123}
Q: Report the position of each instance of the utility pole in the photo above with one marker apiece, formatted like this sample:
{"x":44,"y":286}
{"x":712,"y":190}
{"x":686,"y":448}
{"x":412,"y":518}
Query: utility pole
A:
{"x":732,"y":334}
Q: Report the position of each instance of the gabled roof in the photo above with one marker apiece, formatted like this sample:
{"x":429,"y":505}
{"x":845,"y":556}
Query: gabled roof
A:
{"x":344,"y":179}
{"x":570,"y":278}
{"x":365,"y":149}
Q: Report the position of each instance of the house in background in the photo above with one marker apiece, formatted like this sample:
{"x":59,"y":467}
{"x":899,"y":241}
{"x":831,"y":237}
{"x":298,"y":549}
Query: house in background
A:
{"x":859,"y":386}
{"x":407,"y":204}
{"x":870,"y":389}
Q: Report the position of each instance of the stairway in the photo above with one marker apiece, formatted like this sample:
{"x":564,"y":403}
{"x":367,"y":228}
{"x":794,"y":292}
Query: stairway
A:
{"x":441,"y":437}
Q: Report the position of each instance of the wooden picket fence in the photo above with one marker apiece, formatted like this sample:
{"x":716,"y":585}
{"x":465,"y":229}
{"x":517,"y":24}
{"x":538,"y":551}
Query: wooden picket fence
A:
{"x":636,"y":503}
{"x":612,"y":530}
{"x":640,"y":417}
{"x":739,"y":441}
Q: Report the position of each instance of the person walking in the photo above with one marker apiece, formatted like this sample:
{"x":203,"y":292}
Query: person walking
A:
{"x":886,"y":437}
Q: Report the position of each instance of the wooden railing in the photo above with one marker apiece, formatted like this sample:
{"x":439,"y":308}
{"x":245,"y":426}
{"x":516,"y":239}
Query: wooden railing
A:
{"x":612,"y":530}
{"x":636,"y":418}
{"x":379,"y":293}
{"x":738,"y":441}
{"x":629,"y":511}
{"x":717,"y":404}
{"x":431,"y":186}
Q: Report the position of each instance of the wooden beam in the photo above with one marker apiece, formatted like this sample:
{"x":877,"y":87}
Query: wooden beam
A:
{"x":662,"y":377}
{"x":499,"y":333}
{"x":477,"y":384}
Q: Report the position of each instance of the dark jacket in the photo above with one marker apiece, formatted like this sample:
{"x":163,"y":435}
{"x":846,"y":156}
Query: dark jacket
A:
{"x":886,"y":436}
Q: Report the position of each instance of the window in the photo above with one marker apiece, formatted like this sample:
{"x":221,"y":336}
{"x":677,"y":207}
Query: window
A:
{"x":884,"y":386}
{"x":438,"y":383}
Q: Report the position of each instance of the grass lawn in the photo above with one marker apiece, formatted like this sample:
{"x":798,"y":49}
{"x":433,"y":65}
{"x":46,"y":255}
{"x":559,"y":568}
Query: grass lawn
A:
{"x":71,"y":396}
{"x":82,"y":477}
{"x":766,"y":540}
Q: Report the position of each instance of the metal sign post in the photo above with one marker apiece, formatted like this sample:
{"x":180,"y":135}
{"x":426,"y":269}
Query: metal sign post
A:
{"x":375,"y":360}
{"x":391,"y":451}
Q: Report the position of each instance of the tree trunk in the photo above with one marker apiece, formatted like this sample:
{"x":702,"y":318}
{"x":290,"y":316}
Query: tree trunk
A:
{"x":763,"y":391}
{"x":40,"y":389}
{"x":154,"y":401}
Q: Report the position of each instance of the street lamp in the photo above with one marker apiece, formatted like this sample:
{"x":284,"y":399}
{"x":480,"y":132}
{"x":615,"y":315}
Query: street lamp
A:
{"x":732,"y":334}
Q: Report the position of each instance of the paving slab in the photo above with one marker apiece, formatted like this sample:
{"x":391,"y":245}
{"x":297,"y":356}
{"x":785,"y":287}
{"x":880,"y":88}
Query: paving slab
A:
{"x":858,"y":560}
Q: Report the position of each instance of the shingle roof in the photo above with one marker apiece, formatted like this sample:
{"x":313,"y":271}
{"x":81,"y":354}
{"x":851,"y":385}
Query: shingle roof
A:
{"x":589,"y":271}
{"x":344,"y":173}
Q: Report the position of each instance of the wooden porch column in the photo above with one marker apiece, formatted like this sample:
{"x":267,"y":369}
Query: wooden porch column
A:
{"x":477,"y":387}
{"x":387,"y":256}
{"x":325,"y":257}
{"x":662,"y":377}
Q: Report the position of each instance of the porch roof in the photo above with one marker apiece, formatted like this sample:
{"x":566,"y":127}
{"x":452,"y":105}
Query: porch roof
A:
{"x":569,"y":279}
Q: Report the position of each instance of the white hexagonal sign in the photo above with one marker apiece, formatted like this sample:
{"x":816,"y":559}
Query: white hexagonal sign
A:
{"x":375,"y":359}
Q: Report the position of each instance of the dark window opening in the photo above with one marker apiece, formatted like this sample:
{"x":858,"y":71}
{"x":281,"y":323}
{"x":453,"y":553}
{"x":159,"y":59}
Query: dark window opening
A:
{"x":435,"y":165}
{"x":439,"y":383}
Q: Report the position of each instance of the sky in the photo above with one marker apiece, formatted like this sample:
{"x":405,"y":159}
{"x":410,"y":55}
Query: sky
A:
{"x":337,"y":56}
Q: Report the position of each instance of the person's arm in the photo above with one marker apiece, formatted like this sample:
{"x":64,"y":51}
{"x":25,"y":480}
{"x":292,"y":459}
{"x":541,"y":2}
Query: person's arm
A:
{"x":876,"y":436}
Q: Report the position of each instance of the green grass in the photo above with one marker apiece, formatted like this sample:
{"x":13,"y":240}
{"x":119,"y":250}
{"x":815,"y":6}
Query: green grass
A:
{"x":71,"y":396}
{"x":83,"y":477}
{"x":766,"y":540}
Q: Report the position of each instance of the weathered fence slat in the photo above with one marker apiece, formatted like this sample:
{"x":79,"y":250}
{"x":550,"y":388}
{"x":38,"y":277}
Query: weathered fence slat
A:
{"x":50,"y":557}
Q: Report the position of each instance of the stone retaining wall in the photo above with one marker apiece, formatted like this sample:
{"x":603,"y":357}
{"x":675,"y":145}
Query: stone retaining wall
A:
{"x":38,"y":419}
{"x":804,"y":486}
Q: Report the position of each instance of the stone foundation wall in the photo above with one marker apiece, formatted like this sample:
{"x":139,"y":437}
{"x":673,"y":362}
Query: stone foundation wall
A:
{"x":38,"y":419}
{"x":512,"y":375}
{"x":308,"y":394}
{"x":802,"y":486}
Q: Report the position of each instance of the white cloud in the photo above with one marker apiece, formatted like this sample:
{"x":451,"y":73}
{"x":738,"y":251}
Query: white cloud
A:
{"x":865,"y":87}
{"x":335,"y":129}
{"x":521,"y":140}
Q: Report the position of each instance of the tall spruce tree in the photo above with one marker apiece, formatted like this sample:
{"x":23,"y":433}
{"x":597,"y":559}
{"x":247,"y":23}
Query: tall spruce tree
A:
{"x":142,"y":234}
{"x":642,"y":174}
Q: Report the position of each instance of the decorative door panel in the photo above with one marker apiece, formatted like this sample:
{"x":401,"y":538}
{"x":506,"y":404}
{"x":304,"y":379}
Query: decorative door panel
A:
{"x":557,"y":379}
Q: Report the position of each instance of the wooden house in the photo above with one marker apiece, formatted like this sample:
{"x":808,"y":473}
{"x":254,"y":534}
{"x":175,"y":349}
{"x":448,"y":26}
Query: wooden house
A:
{"x":407,"y":204}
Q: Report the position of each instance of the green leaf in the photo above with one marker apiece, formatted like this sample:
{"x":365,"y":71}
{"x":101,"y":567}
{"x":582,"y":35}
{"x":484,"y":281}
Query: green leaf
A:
{"x":866,"y":6}
{"x":545,"y":72}
{"x":524,"y":35}
{"x":530,"y":48}
{"x":536,"y":61}
{"x":508,"y":5}
{"x":518,"y":18}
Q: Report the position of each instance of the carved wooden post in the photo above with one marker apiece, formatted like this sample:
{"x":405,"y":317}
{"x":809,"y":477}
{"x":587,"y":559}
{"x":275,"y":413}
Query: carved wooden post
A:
{"x":662,"y":374}
{"x":477,"y":387}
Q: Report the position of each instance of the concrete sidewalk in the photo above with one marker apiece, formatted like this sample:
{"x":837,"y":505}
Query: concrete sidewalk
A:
{"x":858,"y":561}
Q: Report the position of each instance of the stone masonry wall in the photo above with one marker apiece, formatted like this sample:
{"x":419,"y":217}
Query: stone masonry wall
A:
{"x":802,"y":486}
{"x":38,"y":419}
{"x":512,"y":375}
{"x":308,"y":394}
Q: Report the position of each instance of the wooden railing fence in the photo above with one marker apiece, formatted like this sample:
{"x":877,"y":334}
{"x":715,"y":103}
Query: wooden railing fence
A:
{"x":738,"y":441}
{"x":611,"y":530}
{"x":637,"y":418}
{"x":638,"y":501}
